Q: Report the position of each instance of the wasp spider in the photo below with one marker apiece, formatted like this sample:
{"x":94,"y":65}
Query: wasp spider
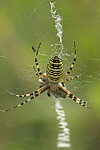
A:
{"x":52,"y":81}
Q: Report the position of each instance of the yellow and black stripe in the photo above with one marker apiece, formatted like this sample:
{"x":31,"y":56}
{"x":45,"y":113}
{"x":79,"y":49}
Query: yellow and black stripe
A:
{"x":54,"y":69}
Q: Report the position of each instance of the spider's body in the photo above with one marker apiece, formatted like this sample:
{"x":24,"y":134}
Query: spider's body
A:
{"x":54,"y":70}
{"x":52,"y":81}
{"x":53,"y":88}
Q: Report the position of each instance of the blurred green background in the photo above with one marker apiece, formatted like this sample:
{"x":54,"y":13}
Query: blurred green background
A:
{"x":24,"y":24}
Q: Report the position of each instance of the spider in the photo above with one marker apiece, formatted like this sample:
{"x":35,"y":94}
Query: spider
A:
{"x":52,"y":81}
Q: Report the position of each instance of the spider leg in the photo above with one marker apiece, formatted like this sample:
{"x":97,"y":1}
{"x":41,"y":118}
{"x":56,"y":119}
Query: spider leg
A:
{"x":48,"y":93}
{"x":23,"y":95}
{"x":73,"y":97}
{"x":36,"y":93}
{"x":35,"y":71}
{"x":36,"y":51}
{"x":71,"y":67}
{"x":39,"y":73}
{"x":66,"y":80}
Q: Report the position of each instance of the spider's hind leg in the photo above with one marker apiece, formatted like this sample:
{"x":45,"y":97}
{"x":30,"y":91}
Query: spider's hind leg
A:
{"x":36,"y":51}
{"x":71,"y":67}
{"x":38,"y":72}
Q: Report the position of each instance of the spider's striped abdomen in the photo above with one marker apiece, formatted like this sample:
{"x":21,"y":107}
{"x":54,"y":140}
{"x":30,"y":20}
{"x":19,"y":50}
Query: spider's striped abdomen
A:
{"x":54,"y":69}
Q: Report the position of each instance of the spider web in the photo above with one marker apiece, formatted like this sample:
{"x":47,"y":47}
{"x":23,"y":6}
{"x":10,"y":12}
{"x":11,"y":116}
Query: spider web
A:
{"x":26,"y":24}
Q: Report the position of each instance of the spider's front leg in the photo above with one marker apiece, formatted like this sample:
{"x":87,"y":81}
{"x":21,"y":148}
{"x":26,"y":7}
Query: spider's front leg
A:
{"x":23,"y":95}
{"x":34,"y":94}
{"x":48,"y":93}
{"x":73,"y":97}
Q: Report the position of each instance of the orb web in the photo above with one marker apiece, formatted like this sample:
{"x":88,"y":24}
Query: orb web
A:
{"x":26,"y":24}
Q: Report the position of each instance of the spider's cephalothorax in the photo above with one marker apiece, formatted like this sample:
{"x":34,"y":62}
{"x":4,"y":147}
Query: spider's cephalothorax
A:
{"x":52,"y":81}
